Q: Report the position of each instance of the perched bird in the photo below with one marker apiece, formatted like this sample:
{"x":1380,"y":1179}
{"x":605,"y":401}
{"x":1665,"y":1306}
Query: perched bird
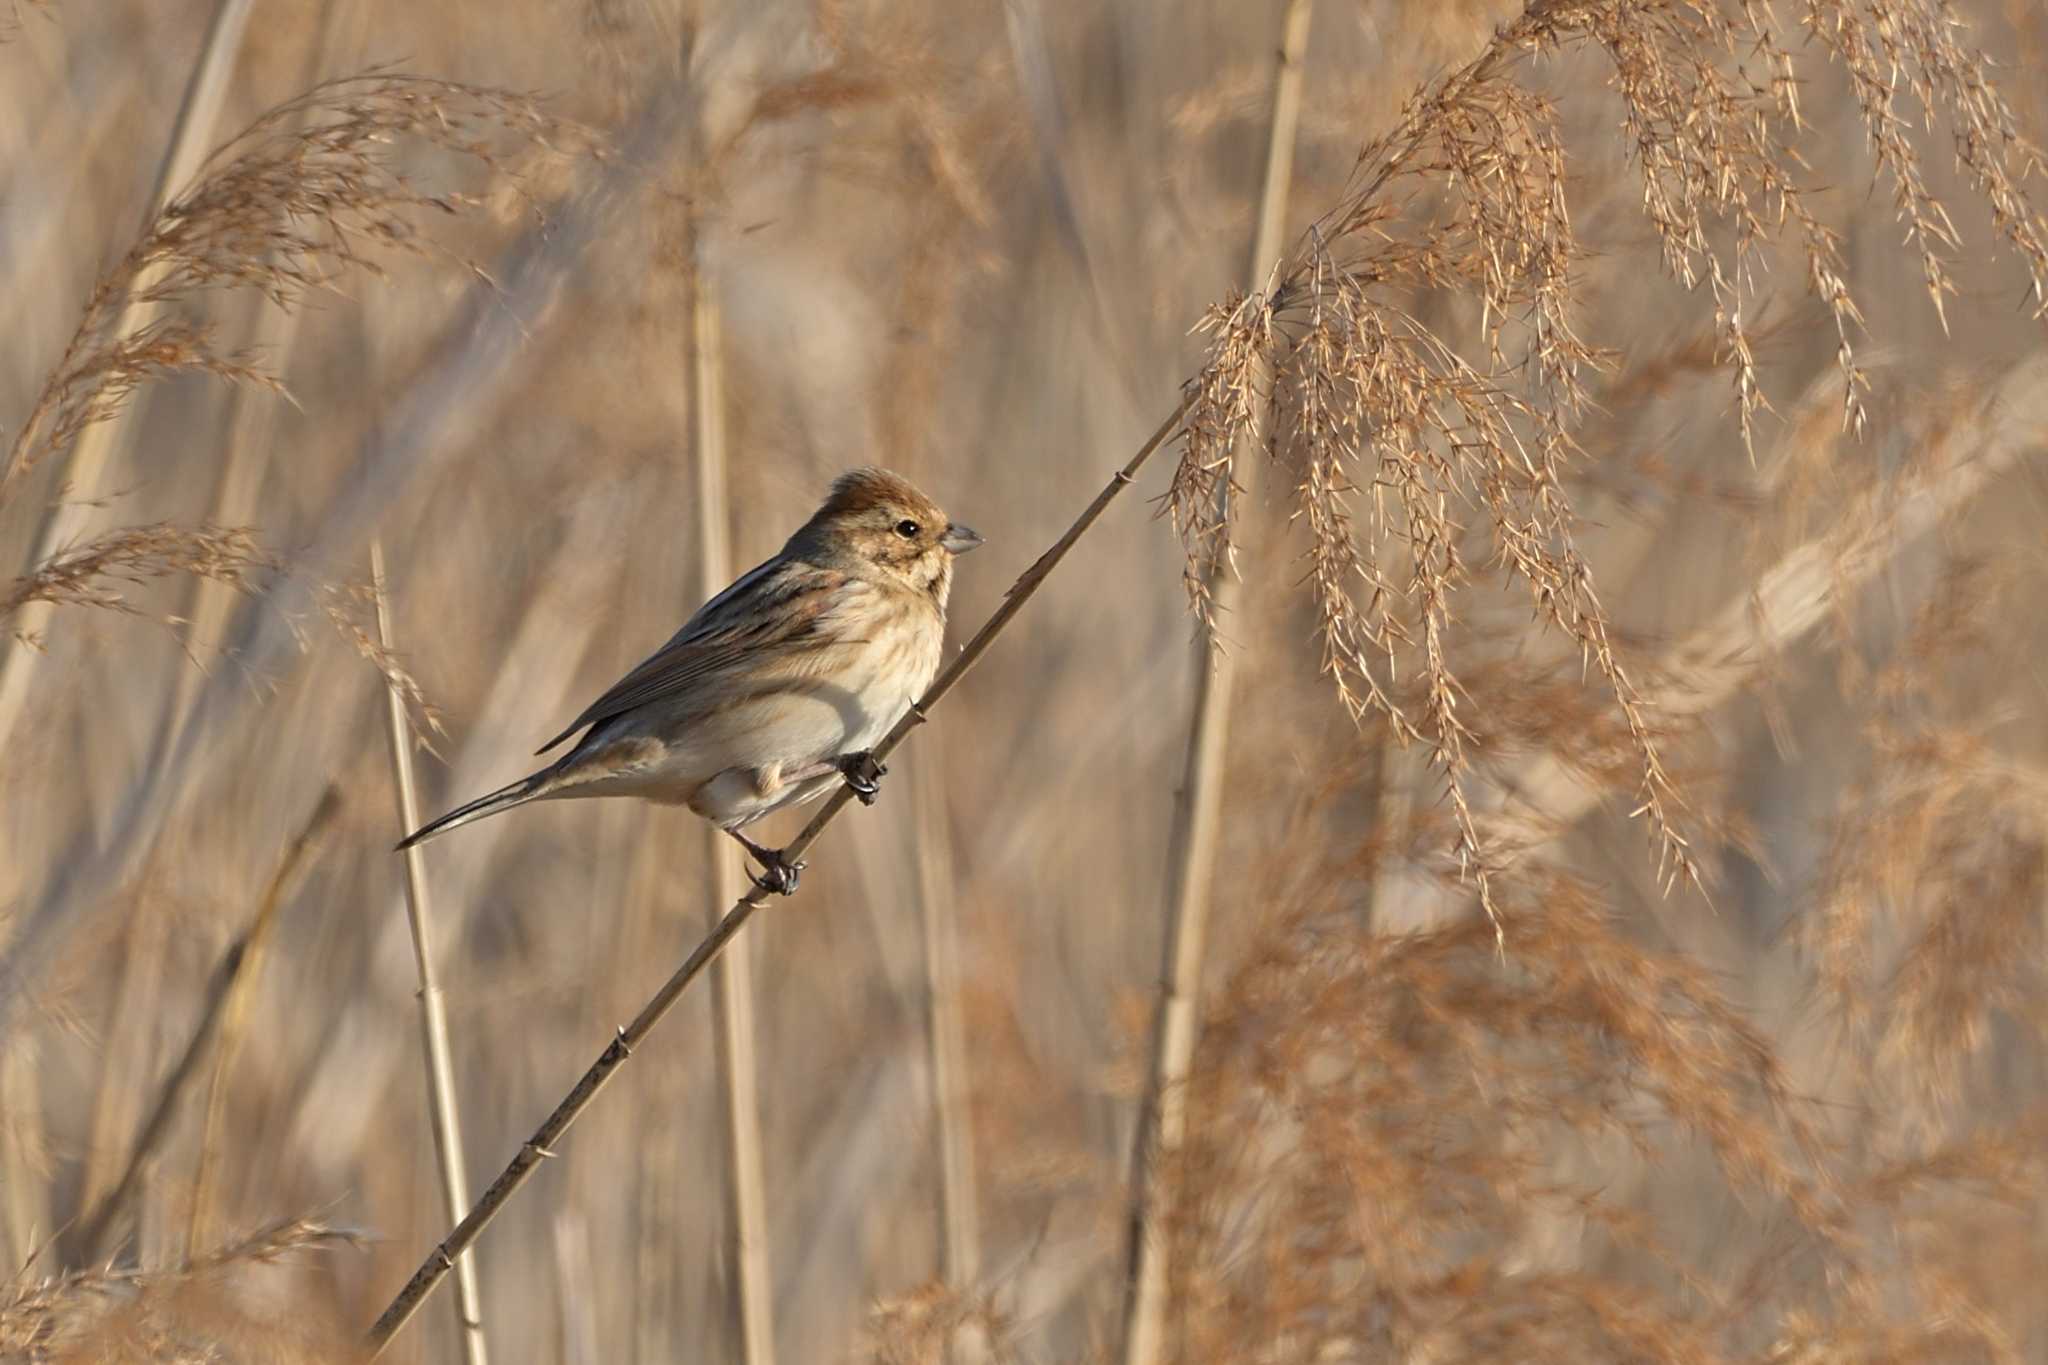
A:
{"x":779,"y":686}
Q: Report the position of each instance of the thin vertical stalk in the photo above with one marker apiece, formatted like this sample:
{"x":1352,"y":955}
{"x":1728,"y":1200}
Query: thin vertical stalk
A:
{"x":84,"y":472}
{"x":660,"y":1308}
{"x":441,"y":1108}
{"x":1162,"y":1115}
{"x":732,"y":980}
{"x":577,"y":1344}
{"x":24,"y":1205}
{"x":946,"y":1033}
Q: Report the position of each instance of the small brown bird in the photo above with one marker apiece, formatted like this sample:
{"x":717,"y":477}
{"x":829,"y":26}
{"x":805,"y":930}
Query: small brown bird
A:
{"x":779,"y":686}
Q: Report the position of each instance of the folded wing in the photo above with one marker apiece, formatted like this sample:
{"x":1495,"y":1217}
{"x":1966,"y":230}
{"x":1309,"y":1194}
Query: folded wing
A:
{"x":775,"y":610}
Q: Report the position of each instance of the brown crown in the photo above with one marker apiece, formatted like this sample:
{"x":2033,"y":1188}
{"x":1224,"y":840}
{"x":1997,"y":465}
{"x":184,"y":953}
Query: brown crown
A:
{"x":860,"y":490}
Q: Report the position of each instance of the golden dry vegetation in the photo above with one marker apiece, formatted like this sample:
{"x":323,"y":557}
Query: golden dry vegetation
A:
{"x":1625,"y":860}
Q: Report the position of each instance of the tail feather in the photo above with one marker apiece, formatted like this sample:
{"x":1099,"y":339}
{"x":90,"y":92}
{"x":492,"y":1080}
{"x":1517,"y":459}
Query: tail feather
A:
{"x":504,"y":798}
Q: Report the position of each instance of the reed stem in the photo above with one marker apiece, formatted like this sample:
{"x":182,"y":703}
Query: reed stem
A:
{"x":732,"y":980}
{"x":1162,"y":1118}
{"x":445,"y":1116}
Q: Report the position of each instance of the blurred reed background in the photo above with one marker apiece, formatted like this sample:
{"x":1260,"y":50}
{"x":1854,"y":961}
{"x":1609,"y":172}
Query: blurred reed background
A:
{"x":1790,"y":1111}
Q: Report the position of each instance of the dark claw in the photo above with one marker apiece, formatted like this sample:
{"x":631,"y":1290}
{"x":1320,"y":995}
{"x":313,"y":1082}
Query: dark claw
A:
{"x":778,"y":875}
{"x":862,"y":774}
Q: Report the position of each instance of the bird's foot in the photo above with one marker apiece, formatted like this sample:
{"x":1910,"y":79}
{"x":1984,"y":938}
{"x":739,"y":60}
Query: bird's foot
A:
{"x":778,"y":875}
{"x":863,"y":774}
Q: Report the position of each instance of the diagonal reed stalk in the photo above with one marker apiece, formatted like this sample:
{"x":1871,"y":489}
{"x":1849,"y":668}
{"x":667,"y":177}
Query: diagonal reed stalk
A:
{"x":1161,"y":1117}
{"x":251,"y":425}
{"x":732,"y":979}
{"x":209,"y":605}
{"x":84,"y":473}
{"x":234,"y":1026}
{"x":1797,"y":592}
{"x":225,"y":993}
{"x":542,"y":1144}
{"x":441,"y":1107}
{"x":80,"y":481}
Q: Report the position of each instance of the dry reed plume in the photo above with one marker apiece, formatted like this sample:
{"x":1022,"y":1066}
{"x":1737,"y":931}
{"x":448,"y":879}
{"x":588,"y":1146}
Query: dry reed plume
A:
{"x":306,"y":194}
{"x":206,"y":1311}
{"x":1466,"y":201}
{"x":1331,"y":1138}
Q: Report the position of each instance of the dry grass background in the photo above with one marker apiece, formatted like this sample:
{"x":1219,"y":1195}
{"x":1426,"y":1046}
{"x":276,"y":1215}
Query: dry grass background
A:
{"x":1793,"y":1113}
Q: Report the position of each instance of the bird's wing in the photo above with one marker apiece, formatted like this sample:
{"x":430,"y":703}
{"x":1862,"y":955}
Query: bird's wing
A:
{"x":771,"y":612}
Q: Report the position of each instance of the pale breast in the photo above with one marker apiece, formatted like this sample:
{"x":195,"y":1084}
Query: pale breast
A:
{"x":833,"y":699}
{"x":895,"y":666}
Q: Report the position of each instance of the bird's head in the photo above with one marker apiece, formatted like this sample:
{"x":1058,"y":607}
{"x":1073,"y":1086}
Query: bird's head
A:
{"x":880,"y":522}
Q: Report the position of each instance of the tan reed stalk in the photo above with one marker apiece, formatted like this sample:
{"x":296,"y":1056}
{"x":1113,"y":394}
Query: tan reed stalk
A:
{"x":1795,"y":594}
{"x":542,"y":1144}
{"x":946,"y":1035}
{"x":24,"y":1184}
{"x":654,"y":1307}
{"x":116,"y":1101}
{"x":251,"y":426}
{"x":84,"y":470}
{"x":252,"y":420}
{"x":243,"y":955}
{"x":200,"y":1231}
{"x":1162,"y":1118}
{"x":441,"y":1107}
{"x":1031,"y":58}
{"x":732,"y":980}
{"x":577,"y":1344}
{"x":79,"y":482}
{"x":960,"y":1223}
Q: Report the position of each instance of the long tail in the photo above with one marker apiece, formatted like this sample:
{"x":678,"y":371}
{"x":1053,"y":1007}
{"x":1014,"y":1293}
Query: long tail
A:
{"x":504,"y":798}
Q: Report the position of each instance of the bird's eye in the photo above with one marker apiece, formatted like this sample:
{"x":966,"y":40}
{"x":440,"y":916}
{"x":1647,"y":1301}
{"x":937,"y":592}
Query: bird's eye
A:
{"x":907,"y":529}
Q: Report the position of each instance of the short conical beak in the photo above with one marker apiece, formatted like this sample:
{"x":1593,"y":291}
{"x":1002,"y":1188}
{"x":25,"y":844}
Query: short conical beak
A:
{"x":959,"y":539}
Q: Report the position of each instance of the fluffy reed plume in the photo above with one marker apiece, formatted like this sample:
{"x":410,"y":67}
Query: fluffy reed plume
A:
{"x":1926,"y":932}
{"x":1396,"y":429}
{"x":223,"y":1307}
{"x":923,"y":1327}
{"x":316,"y":187}
{"x":102,"y":571}
{"x":1403,"y":1146}
{"x":353,"y":610}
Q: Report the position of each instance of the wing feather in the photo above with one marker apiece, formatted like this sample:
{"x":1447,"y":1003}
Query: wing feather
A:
{"x":773,"y":610}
